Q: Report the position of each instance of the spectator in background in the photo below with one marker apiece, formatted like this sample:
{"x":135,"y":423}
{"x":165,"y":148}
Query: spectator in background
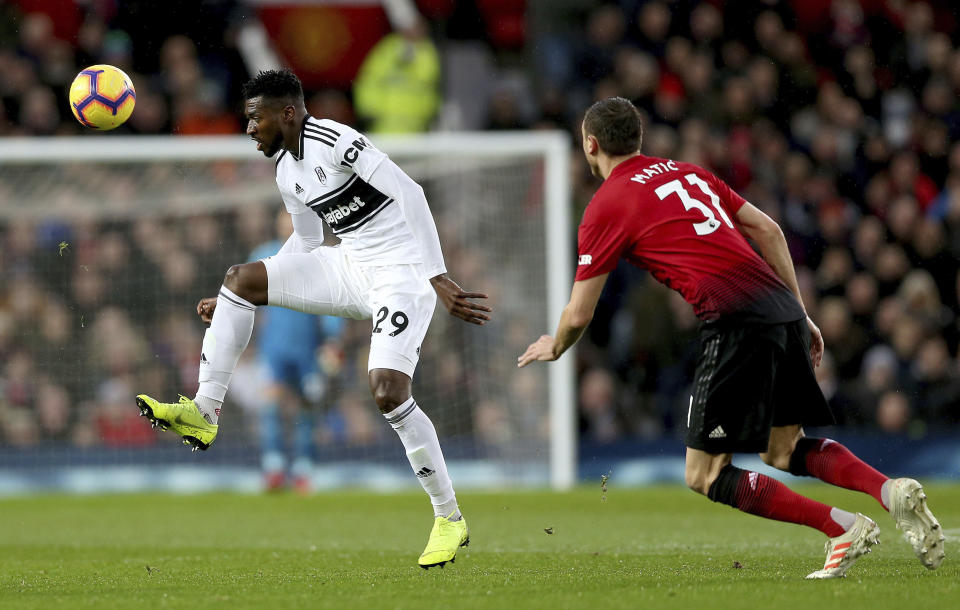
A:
{"x":397,"y":87}
{"x":846,"y":136}
{"x":600,"y":419}
{"x":301,"y":357}
{"x":893,"y":413}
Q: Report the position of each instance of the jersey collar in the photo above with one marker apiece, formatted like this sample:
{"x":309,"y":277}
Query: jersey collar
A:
{"x":299,"y":154}
{"x":627,"y":164}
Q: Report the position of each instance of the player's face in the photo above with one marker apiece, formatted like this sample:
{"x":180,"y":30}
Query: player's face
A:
{"x":589,"y":145}
{"x":263,"y":125}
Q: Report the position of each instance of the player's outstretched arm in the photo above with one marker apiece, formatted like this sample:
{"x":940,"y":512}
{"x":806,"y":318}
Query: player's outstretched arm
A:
{"x":768,"y":236}
{"x":573,"y":321}
{"x":458,"y":302}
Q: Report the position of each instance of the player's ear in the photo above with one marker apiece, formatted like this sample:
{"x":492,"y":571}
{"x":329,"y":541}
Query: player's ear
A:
{"x":288,"y":113}
{"x":592,"y":145}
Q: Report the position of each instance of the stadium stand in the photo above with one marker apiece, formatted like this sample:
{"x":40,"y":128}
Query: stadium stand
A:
{"x":842,"y":123}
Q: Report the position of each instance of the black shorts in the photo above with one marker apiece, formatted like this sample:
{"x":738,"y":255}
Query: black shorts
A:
{"x":750,"y":377}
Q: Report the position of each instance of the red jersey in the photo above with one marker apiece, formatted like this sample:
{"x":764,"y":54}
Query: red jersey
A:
{"x":676,"y":220}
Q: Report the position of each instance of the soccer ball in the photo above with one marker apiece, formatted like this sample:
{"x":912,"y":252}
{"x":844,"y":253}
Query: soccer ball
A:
{"x":102,"y":97}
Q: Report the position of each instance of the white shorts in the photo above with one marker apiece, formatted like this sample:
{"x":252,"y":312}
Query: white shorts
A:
{"x":398,"y":298}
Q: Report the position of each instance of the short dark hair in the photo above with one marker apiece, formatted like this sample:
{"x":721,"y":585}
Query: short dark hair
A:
{"x":615,"y":122}
{"x":278,"y":84}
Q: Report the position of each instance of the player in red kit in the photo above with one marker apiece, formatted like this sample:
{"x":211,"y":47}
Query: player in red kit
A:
{"x":754,"y":386}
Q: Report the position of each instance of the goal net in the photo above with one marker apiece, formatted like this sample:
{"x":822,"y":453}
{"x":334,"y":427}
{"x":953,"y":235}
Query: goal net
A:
{"x":109,"y":243}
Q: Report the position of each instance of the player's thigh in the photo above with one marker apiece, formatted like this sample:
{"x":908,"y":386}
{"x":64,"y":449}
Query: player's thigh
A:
{"x":731,"y":406}
{"x":402,"y":302}
{"x":322,"y":282}
{"x":797,"y":395}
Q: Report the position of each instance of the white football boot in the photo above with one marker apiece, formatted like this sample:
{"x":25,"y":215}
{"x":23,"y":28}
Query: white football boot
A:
{"x":908,"y":507}
{"x":844,"y":550}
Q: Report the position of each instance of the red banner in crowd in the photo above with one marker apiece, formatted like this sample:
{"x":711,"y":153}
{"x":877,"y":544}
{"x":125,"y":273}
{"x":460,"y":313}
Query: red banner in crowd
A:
{"x":324,"y":44}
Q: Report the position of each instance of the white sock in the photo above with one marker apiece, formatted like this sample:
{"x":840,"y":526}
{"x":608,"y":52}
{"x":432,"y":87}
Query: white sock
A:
{"x":224,"y":341}
{"x":885,"y":493}
{"x":843,"y":518}
{"x":419,"y":438}
{"x":209,"y":408}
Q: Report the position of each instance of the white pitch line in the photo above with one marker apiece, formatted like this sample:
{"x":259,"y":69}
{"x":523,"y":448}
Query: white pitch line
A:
{"x":952,"y":534}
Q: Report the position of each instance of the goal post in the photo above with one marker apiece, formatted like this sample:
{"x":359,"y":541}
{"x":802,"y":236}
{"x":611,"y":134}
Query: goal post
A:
{"x":502,"y":206}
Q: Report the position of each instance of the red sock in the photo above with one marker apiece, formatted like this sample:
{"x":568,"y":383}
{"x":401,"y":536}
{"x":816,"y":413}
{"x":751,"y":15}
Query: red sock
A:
{"x":833,"y":463}
{"x":760,"y":495}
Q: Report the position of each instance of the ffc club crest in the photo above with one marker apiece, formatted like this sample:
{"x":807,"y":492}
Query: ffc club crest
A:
{"x":320,"y":175}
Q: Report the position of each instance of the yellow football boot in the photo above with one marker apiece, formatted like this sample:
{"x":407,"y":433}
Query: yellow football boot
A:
{"x":182,"y":417}
{"x":446,"y":538}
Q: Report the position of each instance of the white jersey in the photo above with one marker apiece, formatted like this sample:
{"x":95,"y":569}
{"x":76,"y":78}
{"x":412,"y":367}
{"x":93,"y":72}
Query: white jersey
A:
{"x":330,"y":177}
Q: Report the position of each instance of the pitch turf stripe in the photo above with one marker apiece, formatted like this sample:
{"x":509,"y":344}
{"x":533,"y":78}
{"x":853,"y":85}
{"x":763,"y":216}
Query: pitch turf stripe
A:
{"x":308,"y":136}
{"x":400,"y":418}
{"x":321,"y":127}
{"x":236,"y":302}
{"x":334,"y":192}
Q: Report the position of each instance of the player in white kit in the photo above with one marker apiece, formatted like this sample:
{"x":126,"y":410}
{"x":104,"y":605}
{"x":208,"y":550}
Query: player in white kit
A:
{"x":388,"y":267}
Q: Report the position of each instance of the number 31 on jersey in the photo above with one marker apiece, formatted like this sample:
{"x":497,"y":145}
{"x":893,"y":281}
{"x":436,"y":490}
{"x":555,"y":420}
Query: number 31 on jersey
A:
{"x":711,"y":223}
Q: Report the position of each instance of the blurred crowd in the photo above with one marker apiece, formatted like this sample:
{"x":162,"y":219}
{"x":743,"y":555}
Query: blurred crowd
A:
{"x":843,"y":127}
{"x":839,"y":119}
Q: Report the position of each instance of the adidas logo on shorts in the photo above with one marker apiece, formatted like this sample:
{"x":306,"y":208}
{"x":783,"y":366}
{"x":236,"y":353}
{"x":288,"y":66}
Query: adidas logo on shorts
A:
{"x":718,"y":433}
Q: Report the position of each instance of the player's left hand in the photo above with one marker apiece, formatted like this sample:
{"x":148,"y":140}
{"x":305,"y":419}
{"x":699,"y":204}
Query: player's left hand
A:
{"x":541,"y":350}
{"x":458,"y":302}
{"x":816,"y":343}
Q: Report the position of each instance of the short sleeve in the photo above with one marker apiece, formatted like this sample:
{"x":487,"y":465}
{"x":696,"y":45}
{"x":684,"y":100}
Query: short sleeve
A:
{"x":729,"y":198}
{"x":601,"y":241}
{"x":354,"y":152}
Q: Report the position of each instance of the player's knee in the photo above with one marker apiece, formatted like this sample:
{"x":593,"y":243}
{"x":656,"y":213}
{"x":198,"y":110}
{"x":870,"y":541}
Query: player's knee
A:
{"x":243,"y":281}
{"x":777,"y":459}
{"x":390,"y":388}
{"x":387,"y":398}
{"x":388,"y":393}
{"x":234,"y":279}
{"x":780,"y":451}
{"x":698,"y":480}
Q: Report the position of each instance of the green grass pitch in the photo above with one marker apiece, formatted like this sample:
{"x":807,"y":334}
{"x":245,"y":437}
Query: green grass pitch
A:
{"x":661,"y":547}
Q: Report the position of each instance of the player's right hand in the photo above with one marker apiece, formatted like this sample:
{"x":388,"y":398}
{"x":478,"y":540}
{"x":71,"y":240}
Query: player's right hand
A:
{"x":816,"y":343}
{"x":205,"y":309}
{"x":540,"y":350}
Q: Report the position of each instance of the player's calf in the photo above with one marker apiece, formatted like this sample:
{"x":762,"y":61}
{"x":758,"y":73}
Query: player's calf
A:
{"x":833,"y":463}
